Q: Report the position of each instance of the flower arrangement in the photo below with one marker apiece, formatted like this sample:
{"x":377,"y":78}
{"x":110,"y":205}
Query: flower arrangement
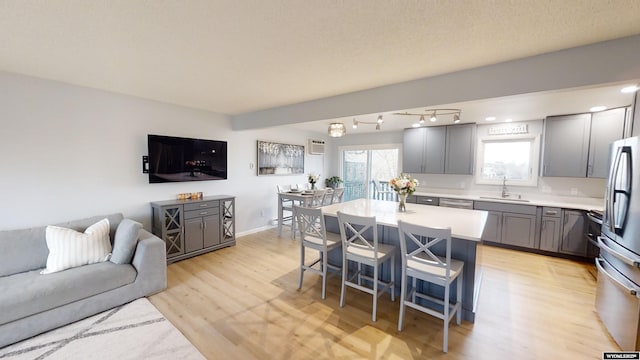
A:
{"x":404,"y":184}
{"x":313,"y":179}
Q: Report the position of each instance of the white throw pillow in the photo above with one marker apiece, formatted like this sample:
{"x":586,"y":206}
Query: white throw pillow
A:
{"x":69,"y":248}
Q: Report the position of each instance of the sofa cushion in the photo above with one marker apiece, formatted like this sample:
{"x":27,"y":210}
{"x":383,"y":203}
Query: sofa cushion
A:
{"x":26,"y":249}
{"x":69,"y":248}
{"x":29,"y":293}
{"x":125,"y":241}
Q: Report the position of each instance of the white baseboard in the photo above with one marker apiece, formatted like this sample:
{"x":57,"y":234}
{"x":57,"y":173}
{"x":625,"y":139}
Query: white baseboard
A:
{"x":253,"y":231}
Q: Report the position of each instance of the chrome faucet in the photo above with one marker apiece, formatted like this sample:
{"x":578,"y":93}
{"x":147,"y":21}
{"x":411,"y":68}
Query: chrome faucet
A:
{"x":504,"y":187}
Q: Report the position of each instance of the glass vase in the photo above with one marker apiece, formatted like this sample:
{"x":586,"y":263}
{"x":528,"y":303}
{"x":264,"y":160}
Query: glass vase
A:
{"x":313,"y":186}
{"x":402,"y":207}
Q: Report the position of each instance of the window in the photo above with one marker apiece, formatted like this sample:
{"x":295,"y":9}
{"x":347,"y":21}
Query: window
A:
{"x":514,"y":158}
{"x":361,"y":165}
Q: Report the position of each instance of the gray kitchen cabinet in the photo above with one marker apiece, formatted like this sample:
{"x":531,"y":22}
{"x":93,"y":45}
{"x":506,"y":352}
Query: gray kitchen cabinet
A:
{"x":427,"y":200}
{"x":194,"y":227}
{"x":424,"y":150}
{"x":492,"y":228}
{"x":550,"y":229}
{"x":510,"y":224}
{"x":574,"y":238}
{"x":413,"y":150}
{"x":460,"y":146}
{"x":439,"y":149}
{"x":606,"y":127}
{"x":566,"y":145}
{"x":519,"y":230}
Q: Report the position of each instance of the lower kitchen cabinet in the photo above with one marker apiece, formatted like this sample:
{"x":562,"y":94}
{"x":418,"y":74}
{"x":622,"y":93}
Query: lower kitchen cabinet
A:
{"x":194,"y":227}
{"x":510,"y":224}
{"x":574,"y":238}
{"x":550,"y":229}
{"x":519,"y":230}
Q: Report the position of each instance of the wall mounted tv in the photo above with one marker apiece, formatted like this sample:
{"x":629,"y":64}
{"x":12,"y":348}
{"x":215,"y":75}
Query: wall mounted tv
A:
{"x":176,"y":159}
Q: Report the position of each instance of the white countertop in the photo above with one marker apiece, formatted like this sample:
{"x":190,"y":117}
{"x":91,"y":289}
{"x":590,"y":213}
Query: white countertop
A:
{"x":566,"y":202}
{"x":464,"y":224}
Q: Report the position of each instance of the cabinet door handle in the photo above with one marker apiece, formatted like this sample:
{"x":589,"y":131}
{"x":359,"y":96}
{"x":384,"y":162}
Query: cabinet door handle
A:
{"x":203,"y":213}
{"x":551,"y":212}
{"x":429,"y":200}
{"x":203,"y":205}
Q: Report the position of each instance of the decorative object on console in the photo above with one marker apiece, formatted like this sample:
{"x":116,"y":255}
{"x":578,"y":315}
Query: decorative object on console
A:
{"x":404,"y":185}
{"x":280,"y":159}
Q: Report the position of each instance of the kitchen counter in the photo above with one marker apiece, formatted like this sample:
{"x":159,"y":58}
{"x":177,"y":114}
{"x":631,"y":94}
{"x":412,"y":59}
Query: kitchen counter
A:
{"x":566,"y":202}
{"x":464,"y":224}
{"x":466,"y":230}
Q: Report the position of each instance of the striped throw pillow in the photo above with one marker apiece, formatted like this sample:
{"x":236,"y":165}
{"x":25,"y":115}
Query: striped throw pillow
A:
{"x":69,"y":248}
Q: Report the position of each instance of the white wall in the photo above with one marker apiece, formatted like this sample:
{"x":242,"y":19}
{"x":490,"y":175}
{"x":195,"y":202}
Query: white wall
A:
{"x":68,"y":152}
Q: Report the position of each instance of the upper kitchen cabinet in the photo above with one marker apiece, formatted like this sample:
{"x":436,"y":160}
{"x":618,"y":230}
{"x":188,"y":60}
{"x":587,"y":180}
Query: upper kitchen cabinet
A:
{"x":578,"y":145}
{"x":439,"y":149}
{"x":460,"y":147}
{"x":606,"y":127}
{"x":566,"y":145}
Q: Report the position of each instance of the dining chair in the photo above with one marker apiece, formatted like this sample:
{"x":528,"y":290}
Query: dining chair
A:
{"x":318,"y":198}
{"x":287,"y":205}
{"x":420,"y":263}
{"x":360,"y":245}
{"x":337,"y":195}
{"x":313,"y":235}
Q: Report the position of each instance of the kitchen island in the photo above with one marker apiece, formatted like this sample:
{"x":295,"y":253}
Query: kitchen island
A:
{"x":466,"y":230}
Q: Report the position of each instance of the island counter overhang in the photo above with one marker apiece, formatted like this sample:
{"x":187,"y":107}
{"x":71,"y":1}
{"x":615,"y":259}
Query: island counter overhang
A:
{"x":466,"y":231}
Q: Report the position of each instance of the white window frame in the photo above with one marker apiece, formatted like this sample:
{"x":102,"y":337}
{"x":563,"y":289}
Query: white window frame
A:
{"x":534,"y":159}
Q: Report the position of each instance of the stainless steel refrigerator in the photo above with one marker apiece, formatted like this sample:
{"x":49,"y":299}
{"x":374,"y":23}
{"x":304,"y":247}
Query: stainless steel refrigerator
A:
{"x":618,"y":292}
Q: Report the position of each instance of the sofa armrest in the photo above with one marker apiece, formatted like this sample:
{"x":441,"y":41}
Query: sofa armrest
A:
{"x":150,"y":261}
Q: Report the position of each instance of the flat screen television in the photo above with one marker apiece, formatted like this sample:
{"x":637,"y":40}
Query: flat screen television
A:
{"x":176,"y":159}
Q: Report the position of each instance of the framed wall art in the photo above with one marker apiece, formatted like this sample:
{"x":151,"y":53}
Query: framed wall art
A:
{"x":280,"y":159}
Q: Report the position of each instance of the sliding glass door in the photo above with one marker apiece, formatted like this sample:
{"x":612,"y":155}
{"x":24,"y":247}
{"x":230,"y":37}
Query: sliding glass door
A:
{"x":366,"y":170}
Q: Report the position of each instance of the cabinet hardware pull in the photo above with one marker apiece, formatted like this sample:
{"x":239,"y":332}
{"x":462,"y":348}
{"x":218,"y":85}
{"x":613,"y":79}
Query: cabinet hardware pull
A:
{"x":551,"y":213}
{"x":203,"y":205}
{"x":203,"y":213}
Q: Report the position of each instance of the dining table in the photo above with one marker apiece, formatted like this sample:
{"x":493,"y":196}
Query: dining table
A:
{"x":466,"y":227}
{"x":300,"y":198}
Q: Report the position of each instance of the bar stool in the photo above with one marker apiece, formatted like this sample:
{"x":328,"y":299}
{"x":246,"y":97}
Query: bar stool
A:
{"x":358,"y":248}
{"x":313,"y":235}
{"x":420,"y":263}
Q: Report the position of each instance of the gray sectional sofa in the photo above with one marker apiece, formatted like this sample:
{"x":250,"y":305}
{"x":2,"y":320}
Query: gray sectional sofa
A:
{"x":31,"y":303}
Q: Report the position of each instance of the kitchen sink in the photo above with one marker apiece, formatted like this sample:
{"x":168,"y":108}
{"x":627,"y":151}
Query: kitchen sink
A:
{"x":503,"y":199}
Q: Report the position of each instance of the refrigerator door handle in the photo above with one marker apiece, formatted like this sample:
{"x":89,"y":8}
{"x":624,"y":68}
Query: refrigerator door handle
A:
{"x":627,"y":260}
{"x":612,"y":190}
{"x":615,"y":279}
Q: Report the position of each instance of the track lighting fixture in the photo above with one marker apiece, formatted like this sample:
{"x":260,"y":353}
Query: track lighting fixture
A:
{"x":377,"y":123}
{"x":433,"y":115}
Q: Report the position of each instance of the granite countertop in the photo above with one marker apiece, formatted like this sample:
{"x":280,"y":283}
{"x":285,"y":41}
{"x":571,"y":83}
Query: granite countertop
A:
{"x":464,"y":224}
{"x":566,"y":202}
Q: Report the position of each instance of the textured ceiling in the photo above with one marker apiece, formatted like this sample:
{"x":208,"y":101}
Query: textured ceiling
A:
{"x":239,"y":56}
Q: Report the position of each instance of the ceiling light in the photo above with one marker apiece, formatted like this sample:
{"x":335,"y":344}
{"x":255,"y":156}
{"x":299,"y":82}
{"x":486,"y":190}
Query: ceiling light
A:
{"x":337,"y":130}
{"x":380,"y":121}
{"x":508,"y":120}
{"x":598,"y":108}
{"x":416,"y":124}
{"x":630,"y":89}
{"x":433,"y":117}
{"x":376,"y":123}
{"x":456,"y":118}
{"x":490,"y":118}
{"x":355,"y":123}
{"x":421,"y":120}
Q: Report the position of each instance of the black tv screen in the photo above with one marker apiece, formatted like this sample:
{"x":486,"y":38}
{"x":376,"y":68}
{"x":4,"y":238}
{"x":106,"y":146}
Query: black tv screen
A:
{"x":176,"y":159}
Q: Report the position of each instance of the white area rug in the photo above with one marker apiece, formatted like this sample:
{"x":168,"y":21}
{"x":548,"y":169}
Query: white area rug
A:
{"x":132,"y":331}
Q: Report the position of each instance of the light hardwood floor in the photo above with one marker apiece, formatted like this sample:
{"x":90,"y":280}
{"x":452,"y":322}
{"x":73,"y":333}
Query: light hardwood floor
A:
{"x":243,"y":303}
